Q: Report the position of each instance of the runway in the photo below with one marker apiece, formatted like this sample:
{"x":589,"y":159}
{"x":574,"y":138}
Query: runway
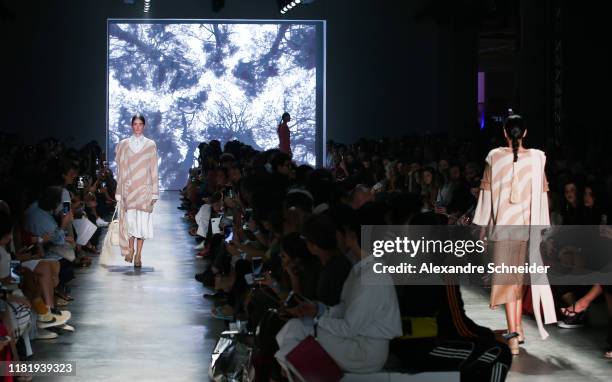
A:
{"x":154,"y":325}
{"x":148,"y":325}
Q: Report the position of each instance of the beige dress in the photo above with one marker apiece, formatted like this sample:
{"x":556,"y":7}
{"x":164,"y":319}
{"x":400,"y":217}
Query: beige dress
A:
{"x":509,"y":204}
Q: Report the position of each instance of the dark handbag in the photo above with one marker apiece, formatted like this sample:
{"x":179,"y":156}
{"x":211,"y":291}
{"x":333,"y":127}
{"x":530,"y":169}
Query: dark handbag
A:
{"x":262,"y":299}
{"x":268,"y":328}
{"x":311,"y":363}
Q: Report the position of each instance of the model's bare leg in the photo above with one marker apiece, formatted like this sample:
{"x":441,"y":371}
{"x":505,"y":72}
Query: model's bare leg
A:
{"x":519,"y":320}
{"x":130,"y":255}
{"x":138,"y":258}
{"x":513,"y":343}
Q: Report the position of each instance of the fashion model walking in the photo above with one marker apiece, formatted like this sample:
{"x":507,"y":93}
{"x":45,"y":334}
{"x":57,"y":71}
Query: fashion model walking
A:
{"x":513,"y":198}
{"x":137,"y":190}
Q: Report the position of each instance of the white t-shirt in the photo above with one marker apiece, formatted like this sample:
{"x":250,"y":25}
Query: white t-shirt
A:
{"x":5,"y":263}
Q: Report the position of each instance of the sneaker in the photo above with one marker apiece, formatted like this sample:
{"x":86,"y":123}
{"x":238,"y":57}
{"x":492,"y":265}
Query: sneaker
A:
{"x":50,"y":320}
{"x":219,"y":295}
{"x":199,"y":246}
{"x":574,"y":321}
{"x":101,"y":222}
{"x":203,"y":253}
{"x":66,"y":327}
{"x":61,"y":313}
{"x":43,"y":334}
{"x":224,"y":312}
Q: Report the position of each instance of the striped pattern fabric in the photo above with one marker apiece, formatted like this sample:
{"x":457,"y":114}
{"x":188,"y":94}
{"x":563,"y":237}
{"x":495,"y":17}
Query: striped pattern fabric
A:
{"x":137,"y":182}
{"x":495,"y":206}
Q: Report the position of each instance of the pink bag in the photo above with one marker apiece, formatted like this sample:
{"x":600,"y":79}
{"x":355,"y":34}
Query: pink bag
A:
{"x":311,"y":363}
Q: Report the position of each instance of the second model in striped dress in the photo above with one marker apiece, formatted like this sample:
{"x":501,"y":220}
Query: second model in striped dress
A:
{"x":506,"y":201}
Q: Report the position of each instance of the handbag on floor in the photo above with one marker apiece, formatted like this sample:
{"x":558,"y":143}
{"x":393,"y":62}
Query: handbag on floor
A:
{"x":231,"y":359}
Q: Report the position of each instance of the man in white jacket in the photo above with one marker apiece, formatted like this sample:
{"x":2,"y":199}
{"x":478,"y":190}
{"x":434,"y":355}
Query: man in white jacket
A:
{"x":356,"y":332}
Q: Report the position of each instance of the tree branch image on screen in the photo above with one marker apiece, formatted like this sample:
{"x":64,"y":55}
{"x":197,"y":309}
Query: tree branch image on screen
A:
{"x":196,"y":81}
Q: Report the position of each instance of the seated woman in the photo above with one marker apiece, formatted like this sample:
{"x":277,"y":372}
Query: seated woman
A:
{"x":356,"y":331}
{"x":39,"y":222}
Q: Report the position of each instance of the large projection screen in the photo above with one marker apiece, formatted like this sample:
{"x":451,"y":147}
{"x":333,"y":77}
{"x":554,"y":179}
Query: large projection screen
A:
{"x":198,"y":80}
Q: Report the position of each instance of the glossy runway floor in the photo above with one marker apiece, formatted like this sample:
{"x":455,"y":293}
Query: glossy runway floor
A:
{"x":147,"y":325}
{"x":154,"y":325}
{"x":567,"y":354}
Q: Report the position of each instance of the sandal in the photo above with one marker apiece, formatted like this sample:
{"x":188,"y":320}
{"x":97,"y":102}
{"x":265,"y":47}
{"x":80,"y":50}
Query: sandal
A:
{"x":63,"y":295}
{"x":130,"y":256}
{"x":521,"y":334}
{"x":570,"y":312}
{"x":137,"y":261}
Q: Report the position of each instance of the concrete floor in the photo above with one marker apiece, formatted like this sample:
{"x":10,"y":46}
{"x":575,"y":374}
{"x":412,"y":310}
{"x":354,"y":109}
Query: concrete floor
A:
{"x":154,"y":325}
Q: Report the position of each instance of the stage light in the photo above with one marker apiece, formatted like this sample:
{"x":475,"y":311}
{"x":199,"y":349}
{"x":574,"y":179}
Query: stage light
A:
{"x":147,"y":6}
{"x":285,"y":6}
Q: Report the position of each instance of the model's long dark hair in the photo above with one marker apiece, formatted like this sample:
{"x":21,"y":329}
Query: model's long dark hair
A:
{"x":513,"y":126}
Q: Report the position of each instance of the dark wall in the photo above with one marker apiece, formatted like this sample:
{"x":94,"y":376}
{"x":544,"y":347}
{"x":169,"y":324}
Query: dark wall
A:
{"x":383,"y":66}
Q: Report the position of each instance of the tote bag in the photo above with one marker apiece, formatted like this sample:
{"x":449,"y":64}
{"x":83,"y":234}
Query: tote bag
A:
{"x":113,"y":229}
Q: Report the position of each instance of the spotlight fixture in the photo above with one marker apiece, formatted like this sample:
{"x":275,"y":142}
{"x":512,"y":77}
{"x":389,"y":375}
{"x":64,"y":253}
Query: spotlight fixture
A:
{"x":147,"y":6}
{"x":285,"y":6}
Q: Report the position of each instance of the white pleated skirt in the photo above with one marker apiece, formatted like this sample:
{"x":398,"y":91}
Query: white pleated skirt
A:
{"x":139,"y":224}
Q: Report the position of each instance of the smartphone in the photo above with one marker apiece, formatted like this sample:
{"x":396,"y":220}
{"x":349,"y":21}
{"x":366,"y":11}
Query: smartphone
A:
{"x":66,"y":208}
{"x":228,"y":192}
{"x":248,"y":213}
{"x":257,"y":268}
{"x":229,"y":233}
{"x":294,"y":299}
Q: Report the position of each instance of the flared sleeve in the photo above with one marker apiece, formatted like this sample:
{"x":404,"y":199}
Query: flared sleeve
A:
{"x":154,"y":174}
{"x":484,"y":209}
{"x":119,"y":161}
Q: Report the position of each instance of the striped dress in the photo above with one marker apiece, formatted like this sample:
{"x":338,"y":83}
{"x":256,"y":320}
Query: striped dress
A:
{"x":505,"y":200}
{"x":137,"y":188}
{"x":498,"y":208}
